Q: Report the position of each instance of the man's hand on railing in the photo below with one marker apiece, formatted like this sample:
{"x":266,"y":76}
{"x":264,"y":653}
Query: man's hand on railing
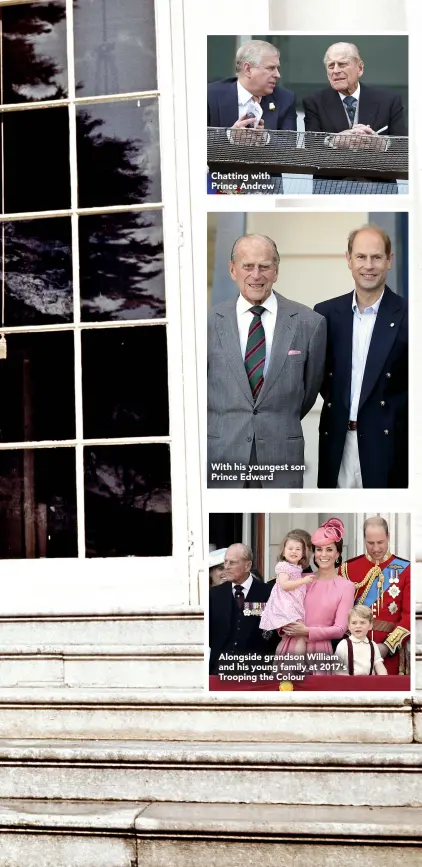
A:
{"x":247,"y":133}
{"x":360,"y":137}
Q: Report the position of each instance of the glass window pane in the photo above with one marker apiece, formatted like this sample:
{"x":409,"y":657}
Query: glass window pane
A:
{"x":37,"y":388}
{"x":36,"y":159}
{"x":118,"y":153}
{"x":38,"y":272}
{"x":38,"y":503}
{"x":115,"y":46}
{"x":128,"y":501}
{"x":121,"y":266}
{"x":34,"y":52}
{"x":124,"y":380}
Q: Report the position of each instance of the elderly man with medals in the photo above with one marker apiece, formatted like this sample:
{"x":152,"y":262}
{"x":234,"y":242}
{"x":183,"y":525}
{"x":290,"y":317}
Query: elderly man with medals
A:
{"x":382,"y":581}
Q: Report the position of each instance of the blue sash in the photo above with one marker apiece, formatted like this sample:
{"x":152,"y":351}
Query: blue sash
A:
{"x":388,"y":572}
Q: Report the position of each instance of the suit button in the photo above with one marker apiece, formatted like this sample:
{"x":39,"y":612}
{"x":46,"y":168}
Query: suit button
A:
{"x":248,"y":439}
{"x":325,"y":433}
{"x":330,"y":374}
{"x":235,"y":643}
{"x":388,"y":375}
{"x":329,"y":405}
{"x":382,"y":403}
{"x":255,"y":412}
{"x":386,"y":432}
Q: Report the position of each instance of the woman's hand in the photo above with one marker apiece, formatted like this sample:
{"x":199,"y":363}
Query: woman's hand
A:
{"x":295,"y":629}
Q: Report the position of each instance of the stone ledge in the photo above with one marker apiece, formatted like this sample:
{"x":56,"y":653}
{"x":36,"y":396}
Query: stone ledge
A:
{"x":244,"y":820}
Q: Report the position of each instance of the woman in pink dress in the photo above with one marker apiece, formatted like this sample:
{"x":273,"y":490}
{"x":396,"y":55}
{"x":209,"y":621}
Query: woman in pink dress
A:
{"x":328,"y":599}
{"x":286,"y":602}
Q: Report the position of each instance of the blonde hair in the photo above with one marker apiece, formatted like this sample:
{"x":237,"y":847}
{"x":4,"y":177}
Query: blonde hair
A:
{"x":363,"y":611}
{"x":294,"y":537}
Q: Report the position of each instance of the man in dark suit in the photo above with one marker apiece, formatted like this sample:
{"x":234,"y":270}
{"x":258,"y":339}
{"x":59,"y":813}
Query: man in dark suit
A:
{"x":231,"y":631}
{"x":253,"y":92}
{"x":347,"y":105}
{"x":254,"y":89}
{"x":363,"y":438}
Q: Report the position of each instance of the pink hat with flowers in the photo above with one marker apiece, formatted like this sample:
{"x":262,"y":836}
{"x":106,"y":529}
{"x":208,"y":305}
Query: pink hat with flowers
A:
{"x":331,"y":531}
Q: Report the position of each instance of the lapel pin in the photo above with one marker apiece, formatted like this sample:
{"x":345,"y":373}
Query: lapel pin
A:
{"x":391,"y":324}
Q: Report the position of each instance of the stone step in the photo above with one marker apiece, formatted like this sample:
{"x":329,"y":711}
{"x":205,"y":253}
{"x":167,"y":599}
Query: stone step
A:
{"x":303,"y":774}
{"x":188,"y":835}
{"x":82,"y":834}
{"x":60,"y":834}
{"x":119,"y":666}
{"x":193,"y":715}
{"x":155,"y":626}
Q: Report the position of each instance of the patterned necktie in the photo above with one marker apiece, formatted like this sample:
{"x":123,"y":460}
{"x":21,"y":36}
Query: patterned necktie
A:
{"x":255,"y":351}
{"x":239,"y":597}
{"x":350,"y":104}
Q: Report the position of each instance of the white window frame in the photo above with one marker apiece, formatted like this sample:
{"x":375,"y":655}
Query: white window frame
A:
{"x":83,"y":585}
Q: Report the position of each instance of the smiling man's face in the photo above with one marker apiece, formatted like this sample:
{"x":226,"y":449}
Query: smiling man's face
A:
{"x":254,"y":269}
{"x":368,"y":261}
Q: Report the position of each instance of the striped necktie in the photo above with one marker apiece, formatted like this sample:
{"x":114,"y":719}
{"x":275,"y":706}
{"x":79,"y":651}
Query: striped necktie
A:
{"x":255,"y":351}
{"x":350,"y":104}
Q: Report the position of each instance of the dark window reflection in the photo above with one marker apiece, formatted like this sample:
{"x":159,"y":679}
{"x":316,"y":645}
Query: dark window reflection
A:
{"x":118,"y":153}
{"x":128,"y":501}
{"x":115,"y":47}
{"x":38,"y":503}
{"x":37,"y":388}
{"x":36,"y":159}
{"x":124,"y":380}
{"x":38,"y":272}
{"x":121,"y":266}
{"x":34,"y":52}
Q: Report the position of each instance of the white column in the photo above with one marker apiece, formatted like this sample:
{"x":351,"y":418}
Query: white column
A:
{"x":361,"y":16}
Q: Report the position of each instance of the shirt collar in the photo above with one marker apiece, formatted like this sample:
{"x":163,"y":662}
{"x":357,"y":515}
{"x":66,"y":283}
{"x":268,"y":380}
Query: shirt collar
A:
{"x":374,"y":307}
{"x":355,"y":640}
{"x":243,"y":305}
{"x":356,"y":94}
{"x":246,"y":584}
{"x":243,"y":95}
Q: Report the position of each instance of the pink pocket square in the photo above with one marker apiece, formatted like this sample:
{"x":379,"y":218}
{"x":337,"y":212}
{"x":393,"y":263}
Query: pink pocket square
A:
{"x":294,"y":352}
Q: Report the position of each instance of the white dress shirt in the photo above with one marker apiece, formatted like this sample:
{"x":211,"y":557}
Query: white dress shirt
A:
{"x":246,"y":586}
{"x":361,"y":654}
{"x":363,"y":326}
{"x":247,"y":102}
{"x":268,"y":319}
{"x":356,"y":95}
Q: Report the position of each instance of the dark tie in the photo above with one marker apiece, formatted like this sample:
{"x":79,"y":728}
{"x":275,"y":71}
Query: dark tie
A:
{"x":239,"y":597}
{"x":255,"y":351}
{"x":350,"y":104}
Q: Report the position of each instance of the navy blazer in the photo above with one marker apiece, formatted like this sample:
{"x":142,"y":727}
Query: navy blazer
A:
{"x":377,"y":108}
{"x":220,"y":621}
{"x":383,"y":407}
{"x":223,"y":106}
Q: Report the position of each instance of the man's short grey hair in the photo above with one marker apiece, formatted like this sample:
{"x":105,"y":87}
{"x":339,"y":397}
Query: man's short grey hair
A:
{"x":275,"y":253}
{"x":252,"y":52}
{"x":376,"y":521}
{"x":350,"y":50}
{"x":247,"y":552}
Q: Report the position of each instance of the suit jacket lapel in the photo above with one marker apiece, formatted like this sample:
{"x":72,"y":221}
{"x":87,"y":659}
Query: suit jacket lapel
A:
{"x":225,"y":599}
{"x":229,"y":106}
{"x":343,"y":331}
{"x":335,"y":111}
{"x":229,"y":335}
{"x":368,"y":107}
{"x":383,"y":337}
{"x":284,"y":331}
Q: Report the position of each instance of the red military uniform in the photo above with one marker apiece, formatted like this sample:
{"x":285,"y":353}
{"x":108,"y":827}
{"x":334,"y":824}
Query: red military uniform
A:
{"x":387,"y":592}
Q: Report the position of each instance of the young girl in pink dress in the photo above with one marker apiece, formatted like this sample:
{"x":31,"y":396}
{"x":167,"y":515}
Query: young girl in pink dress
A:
{"x":286,"y":602}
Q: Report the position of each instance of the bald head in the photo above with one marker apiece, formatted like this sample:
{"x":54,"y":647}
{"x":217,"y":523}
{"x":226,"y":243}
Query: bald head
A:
{"x":344,"y":67}
{"x":254,"y":267}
